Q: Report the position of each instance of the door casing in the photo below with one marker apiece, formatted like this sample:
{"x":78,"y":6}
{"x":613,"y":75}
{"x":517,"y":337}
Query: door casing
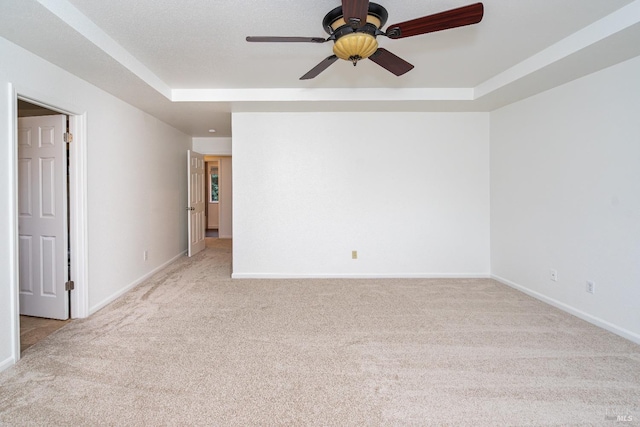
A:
{"x":77,"y":204}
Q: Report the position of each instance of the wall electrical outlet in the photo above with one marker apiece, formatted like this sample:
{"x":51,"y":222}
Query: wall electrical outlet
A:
{"x":145,"y":255}
{"x":591,"y":287}
{"x":354,"y":254}
{"x":554,"y":275}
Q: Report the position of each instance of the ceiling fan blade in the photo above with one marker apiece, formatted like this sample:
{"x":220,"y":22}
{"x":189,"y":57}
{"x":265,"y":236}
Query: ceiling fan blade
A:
{"x":466,"y":15}
{"x":320,"y":67}
{"x":355,"y":12}
{"x":286,"y":39}
{"x":390,"y":62}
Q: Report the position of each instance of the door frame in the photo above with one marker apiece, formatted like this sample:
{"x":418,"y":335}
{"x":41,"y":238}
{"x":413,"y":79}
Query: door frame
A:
{"x":77,"y":194}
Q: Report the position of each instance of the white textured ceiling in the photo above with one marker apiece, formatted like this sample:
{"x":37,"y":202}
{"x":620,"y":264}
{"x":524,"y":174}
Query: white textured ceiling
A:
{"x":149,"y":52}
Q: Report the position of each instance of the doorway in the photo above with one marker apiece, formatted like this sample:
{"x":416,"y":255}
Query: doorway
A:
{"x":75,"y":252}
{"x":212,"y":192}
{"x":43,"y":222}
{"x":218,"y":193}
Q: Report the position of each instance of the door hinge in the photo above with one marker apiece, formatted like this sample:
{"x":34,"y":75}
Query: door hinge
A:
{"x":69,"y":286}
{"x":68,"y":137}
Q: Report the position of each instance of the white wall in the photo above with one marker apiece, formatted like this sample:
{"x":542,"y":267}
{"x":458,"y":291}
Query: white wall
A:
{"x":136,"y":168}
{"x":225,"y":206}
{"x":137,"y":197}
{"x":408,"y":191}
{"x":213,"y":146}
{"x":565,"y":195}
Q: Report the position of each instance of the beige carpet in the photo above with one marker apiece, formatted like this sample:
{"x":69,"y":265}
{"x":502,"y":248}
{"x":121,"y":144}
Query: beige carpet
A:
{"x":192,"y":347}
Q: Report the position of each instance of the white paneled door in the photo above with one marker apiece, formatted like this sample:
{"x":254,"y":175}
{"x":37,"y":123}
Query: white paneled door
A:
{"x":42,"y":206}
{"x":195,"y":210}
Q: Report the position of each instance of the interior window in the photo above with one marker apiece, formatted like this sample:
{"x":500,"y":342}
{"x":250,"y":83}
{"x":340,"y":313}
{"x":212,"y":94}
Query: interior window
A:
{"x":214,"y":184}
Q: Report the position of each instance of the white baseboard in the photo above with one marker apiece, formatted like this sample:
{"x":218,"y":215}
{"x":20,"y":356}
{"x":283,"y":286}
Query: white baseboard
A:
{"x":6,"y":364}
{"x":361,"y":276}
{"x":624,"y":333}
{"x":132,"y":285}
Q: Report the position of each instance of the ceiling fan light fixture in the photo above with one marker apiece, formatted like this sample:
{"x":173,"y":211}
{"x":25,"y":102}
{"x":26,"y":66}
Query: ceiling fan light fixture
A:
{"x":355,"y":46}
{"x":354,"y":26}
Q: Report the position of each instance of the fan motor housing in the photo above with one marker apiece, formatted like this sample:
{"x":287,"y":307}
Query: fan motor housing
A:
{"x":333,"y":20}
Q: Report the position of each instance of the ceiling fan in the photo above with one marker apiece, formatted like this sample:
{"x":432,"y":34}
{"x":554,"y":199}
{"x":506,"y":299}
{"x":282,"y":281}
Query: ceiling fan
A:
{"x":354,"y":26}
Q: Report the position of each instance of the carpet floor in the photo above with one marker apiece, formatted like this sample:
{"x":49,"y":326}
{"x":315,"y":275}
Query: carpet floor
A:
{"x":190,"y":346}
